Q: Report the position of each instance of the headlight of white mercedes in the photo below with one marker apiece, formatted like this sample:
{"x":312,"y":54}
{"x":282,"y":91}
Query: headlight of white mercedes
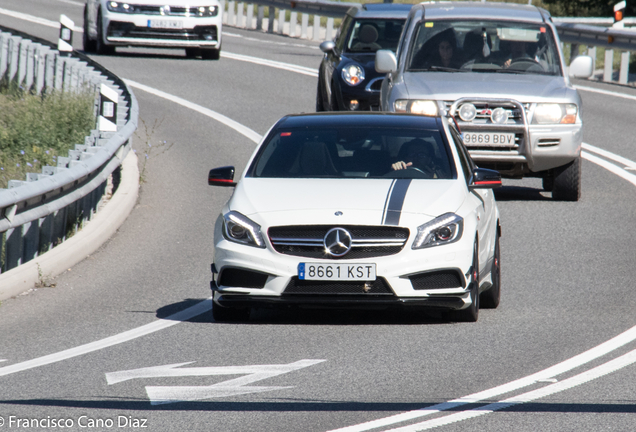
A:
{"x":353,"y":74}
{"x":442,"y":230}
{"x":422,"y":107}
{"x":553,"y":113}
{"x":241,"y":229}
{"x":114,"y":6}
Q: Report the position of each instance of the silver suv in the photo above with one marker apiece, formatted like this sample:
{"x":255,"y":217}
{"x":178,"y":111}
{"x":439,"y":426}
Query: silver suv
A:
{"x":498,"y":69}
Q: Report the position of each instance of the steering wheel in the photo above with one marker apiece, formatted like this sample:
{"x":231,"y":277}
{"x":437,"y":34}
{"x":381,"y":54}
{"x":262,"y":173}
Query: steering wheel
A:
{"x":529,"y":63}
{"x":409,"y":172}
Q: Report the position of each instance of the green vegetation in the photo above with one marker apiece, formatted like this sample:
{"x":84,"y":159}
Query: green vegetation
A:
{"x":36,"y":129}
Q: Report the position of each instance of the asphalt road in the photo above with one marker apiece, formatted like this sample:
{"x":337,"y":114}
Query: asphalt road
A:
{"x":567,"y":288}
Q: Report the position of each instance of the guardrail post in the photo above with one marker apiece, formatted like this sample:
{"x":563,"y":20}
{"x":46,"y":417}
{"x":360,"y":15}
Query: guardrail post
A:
{"x":49,"y":74}
{"x":4,"y":53}
{"x":31,"y":67}
{"x":623,"y":75}
{"x":304,"y":26}
{"x":22,"y":61}
{"x":239,"y":15}
{"x":259,"y":17}
{"x":224,"y":19}
{"x":250,"y":16}
{"x":59,"y":72}
{"x":230,"y":12}
{"x":46,"y":234}
{"x":608,"y":70}
{"x":591,"y":51}
{"x":316,"y":27}
{"x":281,"y":20}
{"x":293,"y":22}
{"x":574,"y":51}
{"x":13,"y":252}
{"x":329,"y":34}
{"x":270,"y":19}
{"x":31,"y":238}
{"x":14,"y":57}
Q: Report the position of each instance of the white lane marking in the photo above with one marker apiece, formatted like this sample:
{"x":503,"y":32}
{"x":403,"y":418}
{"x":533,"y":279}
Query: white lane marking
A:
{"x":126,"y":336}
{"x":3,"y":360}
{"x":271,"y":63}
{"x":610,"y":167}
{"x":71,"y":2}
{"x":268,"y":42}
{"x":36,"y":20}
{"x":549,"y":373}
{"x":244,"y":130}
{"x":620,"y":159}
{"x":605,"y":92}
{"x":233,"y":387}
{"x":582,"y":378}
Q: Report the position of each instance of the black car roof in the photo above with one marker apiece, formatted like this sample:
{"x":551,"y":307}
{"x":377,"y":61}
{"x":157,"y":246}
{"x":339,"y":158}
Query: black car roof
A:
{"x":351,"y":119}
{"x":381,"y":10}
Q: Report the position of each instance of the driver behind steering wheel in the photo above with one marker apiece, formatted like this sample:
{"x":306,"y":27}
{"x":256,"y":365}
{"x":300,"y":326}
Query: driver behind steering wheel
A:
{"x":417,"y":154}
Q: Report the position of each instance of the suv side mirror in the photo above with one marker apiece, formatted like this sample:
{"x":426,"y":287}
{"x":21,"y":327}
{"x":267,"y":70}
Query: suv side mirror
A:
{"x":581,"y":67}
{"x":223,"y":176}
{"x":327,"y":46}
{"x":385,"y":61}
{"x":485,"y":179}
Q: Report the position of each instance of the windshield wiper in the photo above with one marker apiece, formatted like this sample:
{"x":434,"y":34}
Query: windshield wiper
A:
{"x":438,"y":69}
{"x":517,"y":71}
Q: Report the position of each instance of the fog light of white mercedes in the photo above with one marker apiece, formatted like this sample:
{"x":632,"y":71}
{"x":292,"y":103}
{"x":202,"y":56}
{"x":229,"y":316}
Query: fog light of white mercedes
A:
{"x":499,"y":116}
{"x":241,"y":229}
{"x":444,"y":229}
{"x":467,"y":112}
{"x":353,"y":74}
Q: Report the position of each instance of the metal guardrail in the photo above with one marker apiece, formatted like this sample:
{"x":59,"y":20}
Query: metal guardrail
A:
{"x":39,"y":213}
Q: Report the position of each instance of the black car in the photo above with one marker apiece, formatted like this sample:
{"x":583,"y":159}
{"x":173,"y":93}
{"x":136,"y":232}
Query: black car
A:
{"x":347,"y":80}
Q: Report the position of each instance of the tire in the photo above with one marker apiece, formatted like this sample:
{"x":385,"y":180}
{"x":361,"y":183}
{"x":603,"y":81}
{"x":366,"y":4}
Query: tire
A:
{"x":211,"y":54}
{"x":192,"y":52}
{"x":226,"y":314}
{"x":319,"y":105}
{"x":567,"y":182}
{"x":100,"y":47}
{"x":471,"y":313}
{"x":89,"y":45}
{"x":490,"y":299}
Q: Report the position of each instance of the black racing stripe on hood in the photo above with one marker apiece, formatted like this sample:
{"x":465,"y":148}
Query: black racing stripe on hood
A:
{"x":396,"y":201}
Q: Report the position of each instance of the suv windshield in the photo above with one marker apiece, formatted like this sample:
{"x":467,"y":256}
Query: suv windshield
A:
{"x":370,"y":35}
{"x":350,"y":152}
{"x":484,"y":46}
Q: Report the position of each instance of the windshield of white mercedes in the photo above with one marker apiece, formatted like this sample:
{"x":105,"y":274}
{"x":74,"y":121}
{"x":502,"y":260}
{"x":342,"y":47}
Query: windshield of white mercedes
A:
{"x":354,"y":152}
{"x":484,"y":46}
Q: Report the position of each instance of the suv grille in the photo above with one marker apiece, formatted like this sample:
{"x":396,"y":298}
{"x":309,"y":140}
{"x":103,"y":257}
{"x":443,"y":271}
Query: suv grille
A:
{"x":377,"y":287}
{"x":191,"y":11}
{"x":367,"y":241}
{"x":129,"y":30}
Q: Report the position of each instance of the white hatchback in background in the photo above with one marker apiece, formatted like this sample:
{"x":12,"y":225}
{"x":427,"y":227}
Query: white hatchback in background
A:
{"x":348,"y":210}
{"x":191,"y":24}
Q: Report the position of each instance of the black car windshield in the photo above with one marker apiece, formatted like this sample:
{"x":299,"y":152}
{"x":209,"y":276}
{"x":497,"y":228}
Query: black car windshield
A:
{"x":354,"y":152}
{"x":484,"y":46}
{"x":370,"y":35}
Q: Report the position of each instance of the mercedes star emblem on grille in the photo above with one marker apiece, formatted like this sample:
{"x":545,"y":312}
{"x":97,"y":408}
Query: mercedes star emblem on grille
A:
{"x":337,"y":242}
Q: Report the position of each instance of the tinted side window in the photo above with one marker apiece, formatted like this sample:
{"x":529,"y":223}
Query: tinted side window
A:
{"x":343,"y":31}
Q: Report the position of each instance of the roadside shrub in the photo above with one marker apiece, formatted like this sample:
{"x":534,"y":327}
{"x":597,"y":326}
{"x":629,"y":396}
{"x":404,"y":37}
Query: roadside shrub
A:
{"x":35,"y":129}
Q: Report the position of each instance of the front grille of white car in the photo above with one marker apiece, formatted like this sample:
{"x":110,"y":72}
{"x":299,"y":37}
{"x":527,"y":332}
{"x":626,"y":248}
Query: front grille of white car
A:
{"x":376,"y":287}
{"x":367,"y":241}
{"x":515,"y":114}
{"x":184,"y":11}
{"x":129,"y":30}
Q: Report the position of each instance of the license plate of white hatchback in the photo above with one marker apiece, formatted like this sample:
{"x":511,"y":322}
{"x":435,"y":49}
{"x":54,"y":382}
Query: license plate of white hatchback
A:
{"x":490,"y":139}
{"x":336,"y":272}
{"x":165,"y":24}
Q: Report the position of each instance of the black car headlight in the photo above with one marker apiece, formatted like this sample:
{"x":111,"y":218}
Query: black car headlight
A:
{"x":353,"y":74}
{"x":442,"y":230}
{"x":120,"y":7}
{"x":241,"y":229}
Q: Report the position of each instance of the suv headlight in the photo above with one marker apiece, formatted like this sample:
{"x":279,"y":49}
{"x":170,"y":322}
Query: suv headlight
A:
{"x":240,"y":229}
{"x":422,"y":107}
{"x":207,"y":11}
{"x":552,"y":113}
{"x":444,"y":229}
{"x":353,"y":74}
{"x":120,"y":7}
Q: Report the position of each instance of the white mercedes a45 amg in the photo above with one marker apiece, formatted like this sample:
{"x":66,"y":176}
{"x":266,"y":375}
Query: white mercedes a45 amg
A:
{"x":358,"y":210}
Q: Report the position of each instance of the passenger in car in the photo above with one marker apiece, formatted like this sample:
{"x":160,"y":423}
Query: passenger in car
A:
{"x":439,"y":51}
